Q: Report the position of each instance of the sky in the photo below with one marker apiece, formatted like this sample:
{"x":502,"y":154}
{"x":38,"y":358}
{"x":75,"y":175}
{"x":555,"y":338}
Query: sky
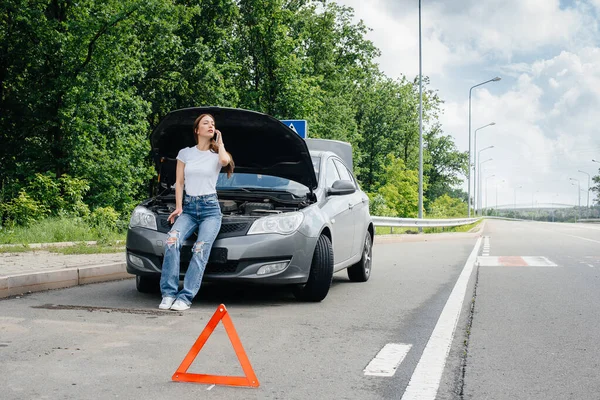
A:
{"x":546,"y":107}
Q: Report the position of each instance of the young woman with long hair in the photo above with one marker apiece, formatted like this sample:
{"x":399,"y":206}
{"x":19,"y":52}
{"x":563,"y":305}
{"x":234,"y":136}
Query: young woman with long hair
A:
{"x":198,"y":168}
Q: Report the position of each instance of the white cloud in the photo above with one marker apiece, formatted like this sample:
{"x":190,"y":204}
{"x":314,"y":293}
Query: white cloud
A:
{"x":545,"y":106}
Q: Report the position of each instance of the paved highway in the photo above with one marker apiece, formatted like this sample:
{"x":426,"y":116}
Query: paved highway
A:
{"x":526,"y":292}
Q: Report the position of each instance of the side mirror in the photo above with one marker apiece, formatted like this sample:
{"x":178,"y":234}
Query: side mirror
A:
{"x":341,"y":188}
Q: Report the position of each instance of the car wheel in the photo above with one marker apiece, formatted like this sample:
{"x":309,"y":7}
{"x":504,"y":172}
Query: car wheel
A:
{"x":321,"y":273}
{"x":361,"y":271}
{"x":147,"y":284}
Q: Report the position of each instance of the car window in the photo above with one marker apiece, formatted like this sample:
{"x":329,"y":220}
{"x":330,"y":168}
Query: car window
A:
{"x":331,"y":173}
{"x":316,"y":161}
{"x":343,"y":171}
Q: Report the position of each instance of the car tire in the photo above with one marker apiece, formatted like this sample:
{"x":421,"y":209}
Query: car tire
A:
{"x":361,"y":271}
{"x":147,"y":284}
{"x":321,"y":273}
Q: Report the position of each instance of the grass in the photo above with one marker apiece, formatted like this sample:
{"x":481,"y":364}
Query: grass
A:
{"x":82,"y":248}
{"x":56,"y":230}
{"x":382,"y":230}
{"x":78,"y":248}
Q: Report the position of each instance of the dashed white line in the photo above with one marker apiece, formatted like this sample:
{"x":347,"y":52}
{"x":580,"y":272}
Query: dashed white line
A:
{"x":387,"y":360}
{"x":486,"y":246}
{"x":425,"y":380}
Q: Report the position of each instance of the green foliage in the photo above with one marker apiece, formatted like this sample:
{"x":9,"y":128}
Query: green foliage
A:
{"x":379,"y":207}
{"x":82,"y":85}
{"x":104,"y":218}
{"x":447,"y":207}
{"x":401,"y":189}
{"x":22,"y":210}
{"x":55,"y":229}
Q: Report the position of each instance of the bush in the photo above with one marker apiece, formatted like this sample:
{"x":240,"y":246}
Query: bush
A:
{"x":104,"y":218}
{"x":46,"y":191}
{"x":22,"y":210}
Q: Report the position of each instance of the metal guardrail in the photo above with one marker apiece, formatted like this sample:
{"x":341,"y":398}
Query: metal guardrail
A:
{"x":589,"y":220}
{"x":421,"y":223}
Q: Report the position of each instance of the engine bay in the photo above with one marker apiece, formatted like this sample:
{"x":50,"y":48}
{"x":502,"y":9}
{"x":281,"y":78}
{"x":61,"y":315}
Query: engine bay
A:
{"x":251,"y":207}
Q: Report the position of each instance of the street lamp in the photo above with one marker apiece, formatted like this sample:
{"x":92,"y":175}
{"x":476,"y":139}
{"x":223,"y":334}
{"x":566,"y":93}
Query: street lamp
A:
{"x":486,"y":191}
{"x":588,"y":190}
{"x":532,"y":193}
{"x":578,"y":194}
{"x":421,"y":123}
{"x":479,"y":176}
{"x":477,"y":194}
{"x":475,"y":160}
{"x":497,"y":183}
{"x":515,"y":194}
{"x":496,"y":79}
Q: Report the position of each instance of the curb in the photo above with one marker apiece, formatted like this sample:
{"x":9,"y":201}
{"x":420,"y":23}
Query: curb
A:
{"x":53,"y":244}
{"x":12,"y":285}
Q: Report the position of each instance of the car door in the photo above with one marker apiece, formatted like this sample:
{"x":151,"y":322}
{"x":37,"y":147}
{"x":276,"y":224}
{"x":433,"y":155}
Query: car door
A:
{"x":361,"y":224}
{"x":338,"y":211}
{"x":356,"y":205}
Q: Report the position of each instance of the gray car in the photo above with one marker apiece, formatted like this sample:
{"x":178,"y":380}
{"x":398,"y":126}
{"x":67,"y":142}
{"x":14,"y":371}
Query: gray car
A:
{"x":293,"y":213}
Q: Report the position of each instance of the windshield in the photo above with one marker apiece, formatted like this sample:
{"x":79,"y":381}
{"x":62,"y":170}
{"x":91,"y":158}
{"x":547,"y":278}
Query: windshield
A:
{"x":265,"y":182}
{"x":260,"y":182}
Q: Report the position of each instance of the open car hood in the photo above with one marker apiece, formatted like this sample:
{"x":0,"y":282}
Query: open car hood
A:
{"x":258,"y":143}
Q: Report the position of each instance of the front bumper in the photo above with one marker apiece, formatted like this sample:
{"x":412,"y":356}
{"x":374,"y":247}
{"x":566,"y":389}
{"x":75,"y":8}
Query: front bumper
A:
{"x":232,"y":259}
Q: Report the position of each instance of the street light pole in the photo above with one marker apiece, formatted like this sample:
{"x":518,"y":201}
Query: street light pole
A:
{"x":578,"y":194}
{"x":496,"y":79}
{"x":486,"y":191}
{"x":588,"y":187}
{"x":479,"y":183}
{"x":477,"y":194}
{"x":515,"y":194}
{"x":475,"y":181}
{"x":497,"y":194}
{"x":420,"y":122}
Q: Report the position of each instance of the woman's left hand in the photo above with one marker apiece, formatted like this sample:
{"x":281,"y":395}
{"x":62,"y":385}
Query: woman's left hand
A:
{"x":219,"y":138}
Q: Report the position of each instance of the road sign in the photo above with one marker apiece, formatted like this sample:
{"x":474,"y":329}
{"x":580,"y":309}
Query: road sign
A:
{"x":297,"y":125}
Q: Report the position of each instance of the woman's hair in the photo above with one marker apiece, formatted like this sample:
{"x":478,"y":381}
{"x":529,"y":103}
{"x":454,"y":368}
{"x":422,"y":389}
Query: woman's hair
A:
{"x":213,"y":146}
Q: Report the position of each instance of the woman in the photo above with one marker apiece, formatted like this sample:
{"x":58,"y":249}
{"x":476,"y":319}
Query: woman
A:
{"x":198,"y":168}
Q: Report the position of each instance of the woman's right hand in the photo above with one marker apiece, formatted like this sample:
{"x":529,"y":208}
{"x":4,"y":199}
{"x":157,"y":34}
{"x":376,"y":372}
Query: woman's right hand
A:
{"x":174,"y":214}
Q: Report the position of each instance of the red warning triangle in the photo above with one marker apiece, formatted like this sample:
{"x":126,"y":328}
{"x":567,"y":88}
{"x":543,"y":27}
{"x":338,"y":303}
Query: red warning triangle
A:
{"x":181,"y":375}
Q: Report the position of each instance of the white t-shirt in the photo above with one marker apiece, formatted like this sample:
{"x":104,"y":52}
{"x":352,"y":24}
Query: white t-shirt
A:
{"x":201,"y":170}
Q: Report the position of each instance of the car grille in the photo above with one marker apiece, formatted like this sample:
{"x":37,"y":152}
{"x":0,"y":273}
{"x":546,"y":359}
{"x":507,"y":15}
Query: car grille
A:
{"x":228,"y":229}
{"x":212,"y":268}
{"x":227,"y":268}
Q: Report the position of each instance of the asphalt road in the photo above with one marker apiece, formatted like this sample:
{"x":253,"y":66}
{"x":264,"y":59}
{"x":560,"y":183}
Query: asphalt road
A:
{"x":536,"y":329}
{"x":532,"y":333}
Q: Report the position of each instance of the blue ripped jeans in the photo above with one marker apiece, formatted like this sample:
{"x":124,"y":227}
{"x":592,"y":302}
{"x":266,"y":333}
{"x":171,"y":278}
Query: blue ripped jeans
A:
{"x":203,"y":213}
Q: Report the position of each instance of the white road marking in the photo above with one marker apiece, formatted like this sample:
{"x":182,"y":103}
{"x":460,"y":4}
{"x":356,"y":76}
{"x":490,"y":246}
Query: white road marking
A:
{"x":210,"y":387}
{"x":486,"y":246}
{"x":590,"y":265}
{"x":515,"y":261}
{"x":387,"y":360}
{"x":425,"y":380}
{"x":579,"y":237}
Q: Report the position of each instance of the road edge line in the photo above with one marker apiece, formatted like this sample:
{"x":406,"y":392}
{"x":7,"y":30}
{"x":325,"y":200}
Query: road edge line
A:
{"x":425,"y":380}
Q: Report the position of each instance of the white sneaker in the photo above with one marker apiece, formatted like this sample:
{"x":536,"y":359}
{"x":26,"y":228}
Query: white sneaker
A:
{"x":179,"y":305}
{"x":166,"y":303}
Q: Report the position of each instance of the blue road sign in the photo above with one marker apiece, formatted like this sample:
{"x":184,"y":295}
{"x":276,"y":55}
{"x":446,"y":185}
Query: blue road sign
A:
{"x":297,"y":125}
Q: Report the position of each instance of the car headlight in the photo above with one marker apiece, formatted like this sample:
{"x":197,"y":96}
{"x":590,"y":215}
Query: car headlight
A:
{"x":143,"y":218}
{"x":283,"y":224}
